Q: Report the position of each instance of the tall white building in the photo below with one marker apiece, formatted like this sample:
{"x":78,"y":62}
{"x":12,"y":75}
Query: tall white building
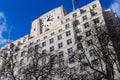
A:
{"x":58,"y":32}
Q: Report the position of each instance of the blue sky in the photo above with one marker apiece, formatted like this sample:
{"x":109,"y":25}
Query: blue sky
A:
{"x":16,"y":16}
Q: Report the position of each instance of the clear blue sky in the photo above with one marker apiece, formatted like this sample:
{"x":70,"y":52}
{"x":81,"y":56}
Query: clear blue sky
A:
{"x":17,"y":15}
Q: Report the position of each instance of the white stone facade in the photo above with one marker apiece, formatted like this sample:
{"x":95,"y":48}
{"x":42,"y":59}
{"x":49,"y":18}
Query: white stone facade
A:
{"x":58,"y":31}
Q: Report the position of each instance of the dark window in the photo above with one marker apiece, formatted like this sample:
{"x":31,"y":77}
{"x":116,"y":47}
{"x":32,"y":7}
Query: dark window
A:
{"x":97,"y":74}
{"x":94,"y":6}
{"x":44,"y":51}
{"x":67,"y":26}
{"x":76,"y":23}
{"x":43,"y":44}
{"x":22,"y":53}
{"x":62,"y":74}
{"x":93,"y":13}
{"x":84,"y":77}
{"x":51,"y":40}
{"x":70,"y":50}
{"x":99,"y":30}
{"x":79,"y":46}
{"x":84,"y":17}
{"x":61,"y":64}
{"x":88,"y":33}
{"x":92,"y":52}
{"x":44,"y":37}
{"x":71,"y":60}
{"x":51,"y":48}
{"x":96,"y":20}
{"x":52,"y":34}
{"x":82,"y":11}
{"x":86,"y":25}
{"x":61,"y":54}
{"x":78,"y":30}
{"x":74,"y":14}
{"x":72,"y":70}
{"x":69,"y":41}
{"x":68,"y":33}
{"x":60,"y":45}
{"x":81,"y":56}
{"x":60,"y":30}
{"x":83,"y":66}
{"x":90,"y":42}
{"x":67,"y":19}
{"x":95,"y":63}
{"x":59,"y":37}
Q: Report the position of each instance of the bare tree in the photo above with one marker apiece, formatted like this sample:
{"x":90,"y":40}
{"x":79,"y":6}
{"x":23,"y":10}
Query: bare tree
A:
{"x":8,"y":62}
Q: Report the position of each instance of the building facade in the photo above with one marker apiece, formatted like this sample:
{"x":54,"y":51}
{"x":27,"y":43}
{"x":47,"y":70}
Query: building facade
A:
{"x":76,"y":37}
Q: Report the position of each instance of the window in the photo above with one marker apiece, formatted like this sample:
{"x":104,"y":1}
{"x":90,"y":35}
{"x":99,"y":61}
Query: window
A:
{"x":43,"y":52}
{"x":62,"y":74}
{"x":95,"y":63}
{"x":51,"y":48}
{"x":76,"y":23}
{"x":51,"y":40}
{"x":99,"y":30}
{"x":94,"y":6}
{"x":86,"y":25}
{"x":52,"y":34}
{"x":84,"y":77}
{"x":38,"y":41}
{"x":72,"y":70}
{"x":90,"y":42}
{"x":67,"y":19}
{"x":67,"y":26}
{"x":22,"y":53}
{"x":61,"y":54}
{"x":61,"y":64}
{"x":97,"y":74}
{"x":69,"y":41}
{"x":60,"y":45}
{"x":92,"y":52}
{"x":81,"y":56}
{"x":44,"y":37}
{"x":53,"y":77}
{"x":68,"y":33}
{"x":78,"y":30}
{"x":71,"y":60}
{"x":60,"y":30}
{"x":88,"y":33}
{"x":74,"y":14}
{"x":83,"y":66}
{"x":43,"y":44}
{"x":84,"y":17}
{"x":82,"y":11}
{"x":70,"y":50}
{"x":43,"y":60}
{"x":93,"y":13}
{"x":59,"y":37}
{"x":79,"y":46}
{"x":96,"y":20}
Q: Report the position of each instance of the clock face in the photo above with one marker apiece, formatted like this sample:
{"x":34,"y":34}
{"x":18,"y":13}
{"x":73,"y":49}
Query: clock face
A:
{"x":46,"y":21}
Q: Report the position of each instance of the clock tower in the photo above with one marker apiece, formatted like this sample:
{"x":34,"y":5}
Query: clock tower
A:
{"x":45,"y":22}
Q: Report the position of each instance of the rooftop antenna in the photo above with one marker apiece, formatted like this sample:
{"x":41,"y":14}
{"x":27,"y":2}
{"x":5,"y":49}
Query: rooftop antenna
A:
{"x":73,"y":5}
{"x":9,"y":36}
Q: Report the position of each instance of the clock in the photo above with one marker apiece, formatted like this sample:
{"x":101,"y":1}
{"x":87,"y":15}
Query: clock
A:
{"x":47,"y":20}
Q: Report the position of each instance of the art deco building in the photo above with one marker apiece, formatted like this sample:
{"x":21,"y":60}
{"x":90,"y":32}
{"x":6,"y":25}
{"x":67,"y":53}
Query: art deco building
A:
{"x":77,"y":34}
